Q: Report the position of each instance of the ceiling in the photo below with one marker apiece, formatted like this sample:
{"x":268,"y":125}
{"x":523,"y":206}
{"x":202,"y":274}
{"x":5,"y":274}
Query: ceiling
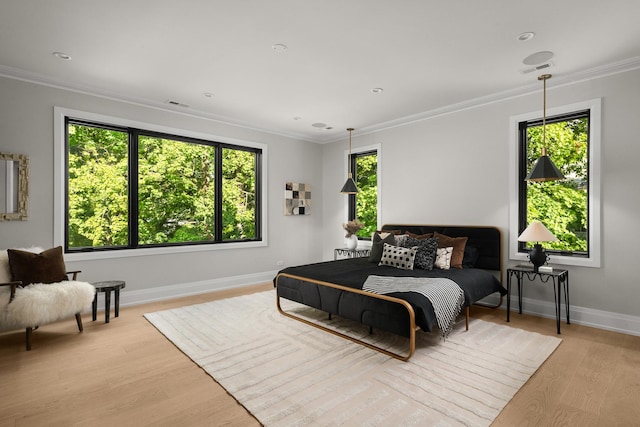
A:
{"x":216,"y":58}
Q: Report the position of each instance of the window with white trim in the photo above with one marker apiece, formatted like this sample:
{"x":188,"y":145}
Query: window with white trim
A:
{"x":569,"y":208}
{"x":364,"y":206}
{"x":128,"y":187}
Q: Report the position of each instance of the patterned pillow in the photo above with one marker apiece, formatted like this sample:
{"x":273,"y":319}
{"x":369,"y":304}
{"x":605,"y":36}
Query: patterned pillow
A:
{"x":400,"y":239}
{"x":443,"y":258}
{"x":419,"y":236}
{"x":395,"y":256}
{"x":458,"y":244}
{"x":426,"y":251}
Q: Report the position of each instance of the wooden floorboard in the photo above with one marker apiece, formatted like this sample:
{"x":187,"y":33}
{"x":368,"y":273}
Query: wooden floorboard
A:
{"x":126,"y":373}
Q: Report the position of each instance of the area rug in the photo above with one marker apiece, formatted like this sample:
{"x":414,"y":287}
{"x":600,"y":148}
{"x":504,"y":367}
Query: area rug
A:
{"x":289,"y":374}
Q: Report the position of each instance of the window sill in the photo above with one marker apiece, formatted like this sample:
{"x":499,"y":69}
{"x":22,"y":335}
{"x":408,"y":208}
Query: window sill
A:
{"x":127,"y":253}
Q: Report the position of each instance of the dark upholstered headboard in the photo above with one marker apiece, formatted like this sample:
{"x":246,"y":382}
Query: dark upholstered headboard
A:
{"x":488,"y":240}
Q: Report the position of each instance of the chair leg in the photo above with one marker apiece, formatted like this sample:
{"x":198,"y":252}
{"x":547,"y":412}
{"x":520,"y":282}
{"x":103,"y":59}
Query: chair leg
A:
{"x":79,"y":321}
{"x":29,"y":331}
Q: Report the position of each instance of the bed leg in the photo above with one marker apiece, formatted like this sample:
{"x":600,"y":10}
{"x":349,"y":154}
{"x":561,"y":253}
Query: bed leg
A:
{"x":467,"y":311}
{"x":370,"y":330}
{"x":329,"y":316}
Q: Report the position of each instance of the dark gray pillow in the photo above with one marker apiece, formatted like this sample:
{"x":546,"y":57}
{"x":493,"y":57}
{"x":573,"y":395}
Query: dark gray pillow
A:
{"x":426,"y":254}
{"x":377,"y":246}
{"x":471,"y":255}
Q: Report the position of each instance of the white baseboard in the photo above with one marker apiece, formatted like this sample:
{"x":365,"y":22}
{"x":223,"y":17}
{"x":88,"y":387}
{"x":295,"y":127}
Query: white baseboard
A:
{"x":143,"y":296}
{"x":606,"y":320}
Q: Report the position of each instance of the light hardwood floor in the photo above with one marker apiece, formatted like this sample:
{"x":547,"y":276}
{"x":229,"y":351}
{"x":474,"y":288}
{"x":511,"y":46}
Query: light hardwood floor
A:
{"x":126,"y":373}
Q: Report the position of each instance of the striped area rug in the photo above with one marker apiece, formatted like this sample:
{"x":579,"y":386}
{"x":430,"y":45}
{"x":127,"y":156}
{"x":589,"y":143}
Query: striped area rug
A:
{"x":289,"y":374}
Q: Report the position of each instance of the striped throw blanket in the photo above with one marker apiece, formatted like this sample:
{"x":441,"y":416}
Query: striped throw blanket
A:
{"x":445,"y":295}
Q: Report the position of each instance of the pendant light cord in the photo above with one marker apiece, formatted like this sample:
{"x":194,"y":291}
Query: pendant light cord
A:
{"x":350,"y":130}
{"x":544,"y":78}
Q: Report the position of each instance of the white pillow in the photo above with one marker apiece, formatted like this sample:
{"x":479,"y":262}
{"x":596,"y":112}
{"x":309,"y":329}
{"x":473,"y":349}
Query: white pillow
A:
{"x":443,"y":258}
{"x":398,"y":257}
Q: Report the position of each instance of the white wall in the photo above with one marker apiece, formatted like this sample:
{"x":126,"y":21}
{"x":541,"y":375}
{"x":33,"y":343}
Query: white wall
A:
{"x":453,"y":169}
{"x":26,"y":127}
{"x":450,"y":169}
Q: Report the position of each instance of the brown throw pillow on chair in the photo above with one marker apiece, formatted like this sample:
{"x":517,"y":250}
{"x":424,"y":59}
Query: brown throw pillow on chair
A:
{"x":45,"y":267}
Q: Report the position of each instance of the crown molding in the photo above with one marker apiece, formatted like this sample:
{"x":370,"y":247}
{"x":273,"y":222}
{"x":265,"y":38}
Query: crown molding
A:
{"x":559,"y":81}
{"x":39,"y":79}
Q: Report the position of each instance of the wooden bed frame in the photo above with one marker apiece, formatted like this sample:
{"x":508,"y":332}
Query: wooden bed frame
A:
{"x":417,"y":229}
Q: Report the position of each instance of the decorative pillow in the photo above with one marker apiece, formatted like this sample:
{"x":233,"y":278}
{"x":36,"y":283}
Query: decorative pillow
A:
{"x":419,"y":236}
{"x":398,"y":257}
{"x":426,"y":251}
{"x":471,"y":255}
{"x":45,"y":267}
{"x":458,"y":244}
{"x":400,"y":239}
{"x":443,"y":258}
{"x":388,"y":231}
{"x":377,"y":244}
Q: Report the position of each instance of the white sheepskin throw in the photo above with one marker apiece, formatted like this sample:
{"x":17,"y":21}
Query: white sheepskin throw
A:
{"x":39,"y":304}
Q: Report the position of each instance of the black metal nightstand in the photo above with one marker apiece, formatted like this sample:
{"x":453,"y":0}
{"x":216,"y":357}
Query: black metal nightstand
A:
{"x":559,"y":278}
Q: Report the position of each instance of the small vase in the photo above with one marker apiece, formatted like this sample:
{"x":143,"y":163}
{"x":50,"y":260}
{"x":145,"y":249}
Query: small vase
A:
{"x":352,"y":241}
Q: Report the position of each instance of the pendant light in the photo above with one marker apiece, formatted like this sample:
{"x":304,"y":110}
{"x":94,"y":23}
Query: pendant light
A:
{"x":544,"y":169}
{"x":349,"y":186}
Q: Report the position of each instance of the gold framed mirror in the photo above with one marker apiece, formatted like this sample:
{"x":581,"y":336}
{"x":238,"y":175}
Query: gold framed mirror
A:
{"x":14,"y":187}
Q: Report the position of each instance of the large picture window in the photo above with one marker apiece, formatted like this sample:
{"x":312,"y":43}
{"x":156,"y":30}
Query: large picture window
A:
{"x":569,"y":208}
{"x":129,"y":188}
{"x":364,"y":205}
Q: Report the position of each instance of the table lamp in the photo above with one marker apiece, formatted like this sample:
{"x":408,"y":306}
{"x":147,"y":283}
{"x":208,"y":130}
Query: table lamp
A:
{"x":537,"y":232}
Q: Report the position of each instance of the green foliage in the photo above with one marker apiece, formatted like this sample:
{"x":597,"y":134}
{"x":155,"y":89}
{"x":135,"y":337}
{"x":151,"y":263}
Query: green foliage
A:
{"x":239,"y":194}
{"x":176,"y":190}
{"x":367,"y":197}
{"x":97,"y":185}
{"x":561,"y":205}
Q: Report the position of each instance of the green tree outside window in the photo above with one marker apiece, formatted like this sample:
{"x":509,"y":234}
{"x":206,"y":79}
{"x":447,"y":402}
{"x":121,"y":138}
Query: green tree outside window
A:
{"x":562,"y":206}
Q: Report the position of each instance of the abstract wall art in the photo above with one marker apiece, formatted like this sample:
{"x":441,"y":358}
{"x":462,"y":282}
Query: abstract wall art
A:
{"x":297,"y":198}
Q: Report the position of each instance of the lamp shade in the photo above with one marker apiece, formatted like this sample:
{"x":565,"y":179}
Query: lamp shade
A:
{"x":544,"y":170}
{"x":536,"y":232}
{"x":349,"y":186}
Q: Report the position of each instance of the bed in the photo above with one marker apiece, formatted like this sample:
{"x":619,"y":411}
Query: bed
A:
{"x":336,"y":287}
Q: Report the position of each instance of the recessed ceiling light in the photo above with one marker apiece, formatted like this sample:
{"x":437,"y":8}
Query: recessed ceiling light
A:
{"x":208,"y":94}
{"x":328,"y":128}
{"x":319,"y":125}
{"x":279,"y":47}
{"x":538,"y":58}
{"x":377,"y":90}
{"x":297,"y":118}
{"x":62,"y":55}
{"x":526,"y":36}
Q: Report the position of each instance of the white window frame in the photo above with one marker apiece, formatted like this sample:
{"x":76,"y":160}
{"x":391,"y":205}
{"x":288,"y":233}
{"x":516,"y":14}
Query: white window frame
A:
{"x":59,"y":173}
{"x":595,"y":177}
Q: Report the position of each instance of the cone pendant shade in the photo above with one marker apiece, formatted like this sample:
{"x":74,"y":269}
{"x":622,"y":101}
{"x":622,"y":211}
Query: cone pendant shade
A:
{"x":544,"y":169}
{"x":349,"y":187}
